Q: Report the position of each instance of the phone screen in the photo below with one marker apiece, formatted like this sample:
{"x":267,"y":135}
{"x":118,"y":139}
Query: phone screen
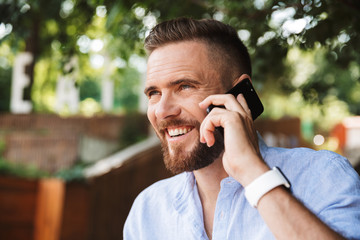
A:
{"x":252,"y":99}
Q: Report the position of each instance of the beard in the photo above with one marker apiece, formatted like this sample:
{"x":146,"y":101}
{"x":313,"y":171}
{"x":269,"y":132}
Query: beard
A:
{"x":178,"y":160}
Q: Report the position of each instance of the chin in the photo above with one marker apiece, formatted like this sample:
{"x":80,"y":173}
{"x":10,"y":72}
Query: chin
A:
{"x":177,"y":160}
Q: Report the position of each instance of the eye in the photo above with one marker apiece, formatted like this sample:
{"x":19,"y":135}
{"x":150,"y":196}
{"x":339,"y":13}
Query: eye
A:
{"x":185,"y":86}
{"x":153,"y":93}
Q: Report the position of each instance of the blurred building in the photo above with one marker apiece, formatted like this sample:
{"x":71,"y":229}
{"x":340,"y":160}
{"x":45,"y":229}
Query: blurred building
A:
{"x":348,"y":135}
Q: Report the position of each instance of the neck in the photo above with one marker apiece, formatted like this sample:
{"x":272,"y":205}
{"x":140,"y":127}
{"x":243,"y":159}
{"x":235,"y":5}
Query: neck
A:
{"x":208,"y":180}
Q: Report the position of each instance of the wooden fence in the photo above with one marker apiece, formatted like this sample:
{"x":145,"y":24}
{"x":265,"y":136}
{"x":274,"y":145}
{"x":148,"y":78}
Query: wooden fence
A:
{"x":95,"y":209}
{"x":31,"y":209}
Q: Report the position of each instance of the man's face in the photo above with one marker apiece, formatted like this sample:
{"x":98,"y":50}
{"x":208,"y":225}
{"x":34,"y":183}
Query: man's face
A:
{"x":179,"y":77}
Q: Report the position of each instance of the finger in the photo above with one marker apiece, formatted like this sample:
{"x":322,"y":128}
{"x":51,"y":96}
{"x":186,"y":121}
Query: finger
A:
{"x":209,"y":125}
{"x":209,"y":136}
{"x":217,"y":99}
{"x":226,"y":100}
{"x":207,"y":132}
{"x":241,"y":99}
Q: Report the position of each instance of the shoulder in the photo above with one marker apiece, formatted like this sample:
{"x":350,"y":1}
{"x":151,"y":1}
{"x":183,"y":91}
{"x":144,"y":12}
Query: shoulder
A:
{"x":160,"y":195}
{"x":153,"y":206}
{"x":168,"y":188}
{"x":306,"y":158}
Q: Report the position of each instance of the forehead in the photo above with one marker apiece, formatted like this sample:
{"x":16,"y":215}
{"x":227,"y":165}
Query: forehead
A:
{"x":179,"y":50}
{"x":188,"y":59}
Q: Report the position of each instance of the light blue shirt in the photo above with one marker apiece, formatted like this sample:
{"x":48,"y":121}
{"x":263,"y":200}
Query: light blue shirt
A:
{"x":323,"y":181}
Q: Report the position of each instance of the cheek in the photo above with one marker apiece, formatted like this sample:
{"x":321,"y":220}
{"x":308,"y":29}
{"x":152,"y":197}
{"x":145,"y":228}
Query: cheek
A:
{"x":151,"y":115}
{"x":190,"y":109}
{"x":193,"y":109}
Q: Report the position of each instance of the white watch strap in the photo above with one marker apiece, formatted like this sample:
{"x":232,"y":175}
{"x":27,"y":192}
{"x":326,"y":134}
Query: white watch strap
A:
{"x":263,"y":184}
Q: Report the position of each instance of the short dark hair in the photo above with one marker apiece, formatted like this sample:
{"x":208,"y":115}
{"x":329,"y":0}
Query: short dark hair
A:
{"x":221,"y":39}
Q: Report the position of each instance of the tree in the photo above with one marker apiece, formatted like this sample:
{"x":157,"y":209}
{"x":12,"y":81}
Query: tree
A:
{"x":38,"y":23}
{"x":269,"y":28}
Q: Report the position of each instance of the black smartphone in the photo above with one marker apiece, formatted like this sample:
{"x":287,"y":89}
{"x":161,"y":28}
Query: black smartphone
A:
{"x":252,"y":99}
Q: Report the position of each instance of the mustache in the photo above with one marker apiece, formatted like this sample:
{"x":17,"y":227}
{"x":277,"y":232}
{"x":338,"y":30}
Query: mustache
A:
{"x":177,"y":122}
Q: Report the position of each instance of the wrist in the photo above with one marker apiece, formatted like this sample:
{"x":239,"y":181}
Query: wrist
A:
{"x":264,"y":184}
{"x":249,"y":174}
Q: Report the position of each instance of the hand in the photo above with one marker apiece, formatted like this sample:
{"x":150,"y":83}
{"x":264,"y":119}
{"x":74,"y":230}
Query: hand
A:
{"x":242,"y":159}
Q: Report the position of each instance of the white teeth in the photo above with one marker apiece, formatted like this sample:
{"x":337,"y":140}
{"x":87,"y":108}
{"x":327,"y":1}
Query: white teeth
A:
{"x":178,"y":131}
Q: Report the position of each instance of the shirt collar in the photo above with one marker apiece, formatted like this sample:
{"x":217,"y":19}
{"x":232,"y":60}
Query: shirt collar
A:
{"x":189,"y":185}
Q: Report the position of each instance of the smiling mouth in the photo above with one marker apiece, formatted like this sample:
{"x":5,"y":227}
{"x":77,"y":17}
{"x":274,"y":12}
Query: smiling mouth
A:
{"x":176,"y":132}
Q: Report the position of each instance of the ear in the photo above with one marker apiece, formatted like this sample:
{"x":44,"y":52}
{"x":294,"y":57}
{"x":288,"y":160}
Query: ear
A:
{"x":242,"y":77}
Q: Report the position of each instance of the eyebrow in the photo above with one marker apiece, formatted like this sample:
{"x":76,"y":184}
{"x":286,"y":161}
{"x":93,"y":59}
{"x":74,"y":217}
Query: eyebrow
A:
{"x":148,"y":89}
{"x":173,"y":83}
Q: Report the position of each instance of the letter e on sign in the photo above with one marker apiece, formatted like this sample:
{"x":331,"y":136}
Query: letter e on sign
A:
{"x":20,"y":81}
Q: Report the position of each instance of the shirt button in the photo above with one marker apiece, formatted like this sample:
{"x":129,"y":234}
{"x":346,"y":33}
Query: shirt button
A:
{"x":222,"y":214}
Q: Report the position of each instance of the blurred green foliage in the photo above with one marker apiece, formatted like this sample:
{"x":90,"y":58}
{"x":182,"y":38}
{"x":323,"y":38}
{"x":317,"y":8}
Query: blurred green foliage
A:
{"x":324,"y":33}
{"x":90,"y":88}
{"x":7,"y":168}
{"x":18,"y":170}
{"x":75,"y":173}
{"x":305,"y":55}
{"x":5,"y":83}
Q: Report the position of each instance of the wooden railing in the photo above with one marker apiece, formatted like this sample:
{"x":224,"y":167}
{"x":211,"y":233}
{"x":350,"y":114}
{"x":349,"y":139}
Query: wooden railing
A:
{"x":95,"y":209}
{"x":31,"y":209}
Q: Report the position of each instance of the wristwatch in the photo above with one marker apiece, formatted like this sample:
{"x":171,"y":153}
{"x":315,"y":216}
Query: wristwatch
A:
{"x":263,"y":184}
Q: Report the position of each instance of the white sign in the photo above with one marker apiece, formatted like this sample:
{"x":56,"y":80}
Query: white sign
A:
{"x":20,"y":81}
{"x":107,"y":95}
{"x":66,"y":94}
{"x":107,"y":88}
{"x":66,"y":91}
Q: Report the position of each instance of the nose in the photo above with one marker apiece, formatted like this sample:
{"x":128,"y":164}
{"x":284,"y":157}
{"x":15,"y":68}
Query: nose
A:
{"x":167,"y":107}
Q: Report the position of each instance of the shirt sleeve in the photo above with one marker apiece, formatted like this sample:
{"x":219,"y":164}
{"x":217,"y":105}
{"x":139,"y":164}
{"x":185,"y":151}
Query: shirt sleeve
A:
{"x":334,"y":196}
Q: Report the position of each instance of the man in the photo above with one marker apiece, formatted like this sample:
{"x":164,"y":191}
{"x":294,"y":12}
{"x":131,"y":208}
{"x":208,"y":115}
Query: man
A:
{"x":224,"y":187}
